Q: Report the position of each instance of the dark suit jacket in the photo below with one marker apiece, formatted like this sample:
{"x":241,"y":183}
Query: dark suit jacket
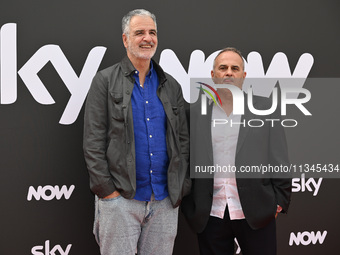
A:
{"x":256,"y":145}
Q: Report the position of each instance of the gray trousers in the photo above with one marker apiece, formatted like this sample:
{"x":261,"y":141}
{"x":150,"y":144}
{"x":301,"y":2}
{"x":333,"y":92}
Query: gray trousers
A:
{"x":126,"y":227}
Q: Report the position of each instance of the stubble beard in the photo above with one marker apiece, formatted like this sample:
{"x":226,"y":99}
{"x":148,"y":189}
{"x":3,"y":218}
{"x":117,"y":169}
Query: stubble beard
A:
{"x":138,"y":53}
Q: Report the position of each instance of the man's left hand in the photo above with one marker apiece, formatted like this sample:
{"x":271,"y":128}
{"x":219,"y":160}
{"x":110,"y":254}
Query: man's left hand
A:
{"x":278,"y":210}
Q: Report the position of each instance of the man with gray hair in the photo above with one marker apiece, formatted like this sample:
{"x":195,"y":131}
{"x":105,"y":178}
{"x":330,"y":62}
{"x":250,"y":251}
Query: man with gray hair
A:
{"x":136,"y":147}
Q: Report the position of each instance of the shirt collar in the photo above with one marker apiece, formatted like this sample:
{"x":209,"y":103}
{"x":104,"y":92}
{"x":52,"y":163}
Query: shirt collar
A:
{"x":151,"y":71}
{"x":128,"y":68}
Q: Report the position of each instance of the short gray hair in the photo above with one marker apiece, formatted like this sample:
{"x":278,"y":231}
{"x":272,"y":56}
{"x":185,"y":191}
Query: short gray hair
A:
{"x":138,"y":12}
{"x":238,"y":52}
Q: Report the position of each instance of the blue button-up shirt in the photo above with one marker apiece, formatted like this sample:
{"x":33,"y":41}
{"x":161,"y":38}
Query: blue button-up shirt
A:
{"x":149,"y":124}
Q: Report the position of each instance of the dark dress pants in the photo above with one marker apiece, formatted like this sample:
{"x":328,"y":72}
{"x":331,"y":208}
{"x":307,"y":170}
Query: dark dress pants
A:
{"x":218,"y":237}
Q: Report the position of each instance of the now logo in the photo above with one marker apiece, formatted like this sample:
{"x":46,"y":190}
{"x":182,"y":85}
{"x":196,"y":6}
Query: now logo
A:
{"x":306,"y":238}
{"x":262,"y":82}
{"x":46,"y":250}
{"x":49,"y":192}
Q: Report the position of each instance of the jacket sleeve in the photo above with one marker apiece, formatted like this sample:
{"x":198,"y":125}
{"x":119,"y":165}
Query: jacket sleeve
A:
{"x":184,"y":141}
{"x":95,"y":137}
{"x":282,"y":181}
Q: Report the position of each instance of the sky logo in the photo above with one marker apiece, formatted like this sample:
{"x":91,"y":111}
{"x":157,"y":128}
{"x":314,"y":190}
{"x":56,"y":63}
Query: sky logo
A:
{"x":78,"y":86}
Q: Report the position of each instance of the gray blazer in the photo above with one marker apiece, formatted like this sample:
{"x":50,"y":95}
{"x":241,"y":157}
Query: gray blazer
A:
{"x":109,"y":146}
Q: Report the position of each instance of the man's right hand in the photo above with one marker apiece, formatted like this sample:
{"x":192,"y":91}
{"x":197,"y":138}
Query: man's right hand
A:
{"x":112,"y":195}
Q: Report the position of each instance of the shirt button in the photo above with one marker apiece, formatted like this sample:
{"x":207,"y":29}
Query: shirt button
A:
{"x":147,"y":119}
{"x":136,"y":71}
{"x":150,"y":136}
{"x":151,"y":154}
{"x":150,"y":171}
{"x":147,"y":102}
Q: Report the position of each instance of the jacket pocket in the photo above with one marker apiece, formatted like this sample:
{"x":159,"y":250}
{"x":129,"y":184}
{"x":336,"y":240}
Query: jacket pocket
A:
{"x":117,"y":106}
